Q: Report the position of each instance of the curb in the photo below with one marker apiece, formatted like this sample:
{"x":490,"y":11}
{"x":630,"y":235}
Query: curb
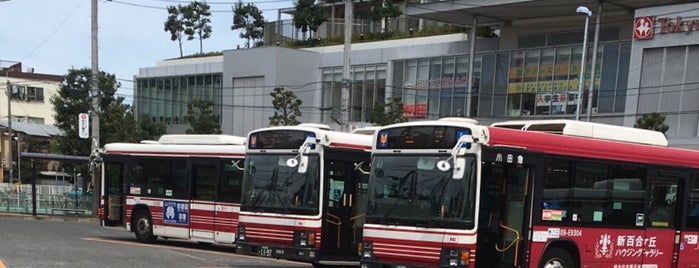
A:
{"x":64,"y":218}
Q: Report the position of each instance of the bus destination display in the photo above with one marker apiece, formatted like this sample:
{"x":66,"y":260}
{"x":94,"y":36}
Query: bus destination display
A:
{"x":278,"y":139}
{"x":420,"y":137}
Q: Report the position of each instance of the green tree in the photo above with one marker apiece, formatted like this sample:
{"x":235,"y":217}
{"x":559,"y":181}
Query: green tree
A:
{"x":201,"y":118}
{"x":383,"y":10}
{"x":308,"y":16}
{"x":387,"y":113}
{"x":287,"y":109}
{"x":197,"y":22}
{"x":74,"y":97}
{"x":120,"y":124}
{"x":149,"y":129}
{"x":652,"y":121}
{"x":249,"y":19}
{"x":175,"y":24}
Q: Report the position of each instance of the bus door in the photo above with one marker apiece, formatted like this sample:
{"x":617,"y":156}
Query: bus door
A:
{"x":662,"y":214}
{"x":113,"y":194}
{"x":338,"y":233}
{"x":227,"y":206}
{"x":689,"y":240}
{"x":204,"y":176}
{"x":504,"y":214}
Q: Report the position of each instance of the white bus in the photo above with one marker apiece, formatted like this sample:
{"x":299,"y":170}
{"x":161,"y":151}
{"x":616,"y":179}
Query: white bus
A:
{"x":181,"y":186}
{"x":540,"y":193}
{"x":302,"y":194}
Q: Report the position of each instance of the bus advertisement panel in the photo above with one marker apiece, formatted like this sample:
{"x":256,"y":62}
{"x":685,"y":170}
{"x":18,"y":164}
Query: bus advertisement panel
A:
{"x":181,"y":186}
{"x":302,"y":195}
{"x":452,"y":193}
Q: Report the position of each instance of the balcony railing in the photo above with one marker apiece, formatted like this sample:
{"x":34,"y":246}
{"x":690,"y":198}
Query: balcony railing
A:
{"x":284,"y":30}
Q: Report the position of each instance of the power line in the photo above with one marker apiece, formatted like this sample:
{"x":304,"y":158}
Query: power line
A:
{"x":54,"y":31}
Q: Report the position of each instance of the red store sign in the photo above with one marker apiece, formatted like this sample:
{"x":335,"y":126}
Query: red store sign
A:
{"x":645,"y":27}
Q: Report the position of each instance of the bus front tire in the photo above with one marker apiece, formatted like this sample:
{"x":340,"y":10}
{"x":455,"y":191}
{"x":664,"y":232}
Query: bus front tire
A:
{"x":143,"y":227}
{"x":557,"y":258}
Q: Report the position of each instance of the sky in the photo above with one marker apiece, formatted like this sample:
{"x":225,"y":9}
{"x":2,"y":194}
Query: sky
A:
{"x":53,"y":36}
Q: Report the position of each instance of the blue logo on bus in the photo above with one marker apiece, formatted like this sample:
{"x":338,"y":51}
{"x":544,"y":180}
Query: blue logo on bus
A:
{"x":175,"y":212}
{"x":461,"y":133}
{"x":383,"y":140}
{"x":310,"y":135}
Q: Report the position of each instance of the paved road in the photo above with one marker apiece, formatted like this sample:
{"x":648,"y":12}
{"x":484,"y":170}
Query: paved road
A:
{"x":51,"y":242}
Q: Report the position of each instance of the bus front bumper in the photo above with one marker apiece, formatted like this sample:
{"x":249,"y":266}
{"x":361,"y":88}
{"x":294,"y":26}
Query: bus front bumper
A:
{"x":279,"y":252}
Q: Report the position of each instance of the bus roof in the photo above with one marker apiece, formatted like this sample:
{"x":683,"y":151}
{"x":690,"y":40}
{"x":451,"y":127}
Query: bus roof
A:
{"x":366,"y":130}
{"x":592,"y":148}
{"x":183,"y":145}
{"x":328,"y":137}
{"x":201,"y":139}
{"x":589,"y":130}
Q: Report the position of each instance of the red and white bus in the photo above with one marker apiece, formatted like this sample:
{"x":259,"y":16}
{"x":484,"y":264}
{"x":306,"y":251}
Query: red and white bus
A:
{"x":302,"y":194}
{"x":560,"y":193}
{"x":181,"y":186}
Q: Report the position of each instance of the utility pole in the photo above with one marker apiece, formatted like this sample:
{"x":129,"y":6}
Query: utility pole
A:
{"x":95,"y":112}
{"x":345,"y":109}
{"x":9,"y":125}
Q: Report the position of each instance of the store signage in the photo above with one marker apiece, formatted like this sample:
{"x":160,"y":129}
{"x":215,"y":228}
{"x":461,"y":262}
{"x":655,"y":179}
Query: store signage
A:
{"x":645,"y":27}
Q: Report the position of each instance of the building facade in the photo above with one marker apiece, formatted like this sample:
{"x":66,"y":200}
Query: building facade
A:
{"x":164,"y":91}
{"x":27,"y":99}
{"x":531,"y":71}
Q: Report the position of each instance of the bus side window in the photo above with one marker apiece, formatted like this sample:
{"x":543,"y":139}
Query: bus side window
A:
{"x":693,"y":209}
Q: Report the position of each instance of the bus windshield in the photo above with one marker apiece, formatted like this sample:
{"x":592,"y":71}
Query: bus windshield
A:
{"x":411,"y":190}
{"x":271,"y":185}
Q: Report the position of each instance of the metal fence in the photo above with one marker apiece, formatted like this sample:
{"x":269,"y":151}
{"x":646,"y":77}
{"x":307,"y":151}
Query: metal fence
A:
{"x":284,"y":30}
{"x":50,"y":199}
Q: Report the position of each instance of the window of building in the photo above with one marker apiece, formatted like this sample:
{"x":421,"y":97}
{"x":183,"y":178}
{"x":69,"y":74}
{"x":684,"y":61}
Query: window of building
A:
{"x":368,"y":88}
{"x":28,"y":93}
{"x":165,"y":99}
{"x":533,"y":82}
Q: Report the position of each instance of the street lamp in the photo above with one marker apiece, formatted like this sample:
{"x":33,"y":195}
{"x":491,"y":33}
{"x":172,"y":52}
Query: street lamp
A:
{"x":586,"y":11}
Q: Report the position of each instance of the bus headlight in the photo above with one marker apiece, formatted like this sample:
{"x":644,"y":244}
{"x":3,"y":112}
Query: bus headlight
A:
{"x":241,"y":233}
{"x":367,"y":250}
{"x":455,"y":257}
{"x":304,"y":238}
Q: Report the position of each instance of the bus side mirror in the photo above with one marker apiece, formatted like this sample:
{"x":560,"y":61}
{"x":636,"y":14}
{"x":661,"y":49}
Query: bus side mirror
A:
{"x":443,"y":165}
{"x":303,"y":164}
{"x":459,"y":168}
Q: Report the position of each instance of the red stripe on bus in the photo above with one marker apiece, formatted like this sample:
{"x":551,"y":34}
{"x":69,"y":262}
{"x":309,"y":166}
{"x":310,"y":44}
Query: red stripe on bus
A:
{"x":350,"y":145}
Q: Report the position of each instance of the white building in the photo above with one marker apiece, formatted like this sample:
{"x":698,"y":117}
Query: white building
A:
{"x":531,"y":71}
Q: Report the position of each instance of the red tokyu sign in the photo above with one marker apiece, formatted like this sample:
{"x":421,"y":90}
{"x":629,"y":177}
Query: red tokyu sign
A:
{"x":644,"y":27}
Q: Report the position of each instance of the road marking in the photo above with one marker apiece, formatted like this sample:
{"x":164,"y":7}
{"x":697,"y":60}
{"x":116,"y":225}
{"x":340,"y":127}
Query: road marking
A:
{"x":97,"y":239}
{"x":231,"y":254}
{"x":2,"y":265}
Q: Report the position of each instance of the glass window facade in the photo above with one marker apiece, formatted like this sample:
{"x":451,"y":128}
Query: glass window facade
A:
{"x":530,"y":82}
{"x":165,"y":99}
{"x":367,"y":88}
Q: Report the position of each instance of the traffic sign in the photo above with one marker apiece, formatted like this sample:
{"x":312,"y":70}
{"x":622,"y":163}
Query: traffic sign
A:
{"x":83,"y":125}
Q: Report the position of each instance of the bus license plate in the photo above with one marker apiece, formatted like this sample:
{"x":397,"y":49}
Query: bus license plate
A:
{"x":264,"y":252}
